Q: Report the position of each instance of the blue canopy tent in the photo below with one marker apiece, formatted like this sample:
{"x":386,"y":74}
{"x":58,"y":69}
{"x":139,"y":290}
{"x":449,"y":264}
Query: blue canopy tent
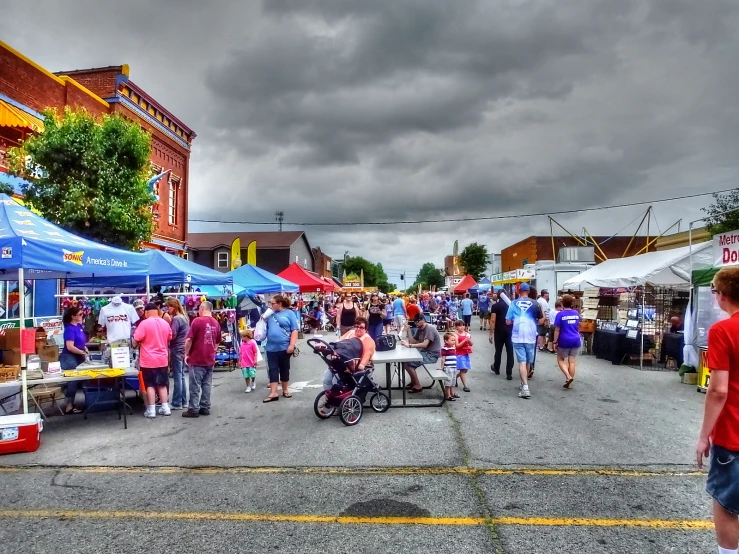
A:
{"x":33,"y":248}
{"x":163,"y":269}
{"x":250,"y":280}
{"x":482,"y":286}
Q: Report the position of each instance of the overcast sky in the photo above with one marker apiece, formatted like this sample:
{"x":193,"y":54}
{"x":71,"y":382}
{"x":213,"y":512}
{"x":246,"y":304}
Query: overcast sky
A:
{"x":356,"y":110}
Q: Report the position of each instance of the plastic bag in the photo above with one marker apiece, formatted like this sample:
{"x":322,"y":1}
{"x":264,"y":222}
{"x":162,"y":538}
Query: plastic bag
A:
{"x":260,"y":330}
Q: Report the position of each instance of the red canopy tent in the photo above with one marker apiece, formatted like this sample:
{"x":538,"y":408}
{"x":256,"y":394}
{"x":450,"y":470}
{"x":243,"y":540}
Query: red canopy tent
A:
{"x":465,"y":284}
{"x":306,"y":280}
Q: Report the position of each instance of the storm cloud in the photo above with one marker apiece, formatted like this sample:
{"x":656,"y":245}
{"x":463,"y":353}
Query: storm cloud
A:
{"x":359,"y":111}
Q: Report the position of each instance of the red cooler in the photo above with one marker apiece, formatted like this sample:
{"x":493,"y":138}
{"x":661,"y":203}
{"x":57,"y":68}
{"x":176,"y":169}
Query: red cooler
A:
{"x":20,"y":433}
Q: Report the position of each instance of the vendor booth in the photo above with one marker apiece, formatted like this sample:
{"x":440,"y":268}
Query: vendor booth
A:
{"x":306,"y":280}
{"x":33,"y":248}
{"x":483,"y":286}
{"x":465,"y":285}
{"x":632,"y":301}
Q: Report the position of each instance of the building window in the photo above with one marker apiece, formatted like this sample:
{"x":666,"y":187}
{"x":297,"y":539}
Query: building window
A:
{"x":173,"y":203}
{"x":222,"y":260}
{"x":186,"y":256}
{"x":328,"y":266}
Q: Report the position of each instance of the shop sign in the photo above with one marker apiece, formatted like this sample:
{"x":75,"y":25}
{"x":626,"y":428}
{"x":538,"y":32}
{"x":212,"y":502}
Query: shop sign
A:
{"x":726,"y":248}
{"x":525,"y":274}
{"x":7,"y":252}
{"x":52,"y":324}
{"x":14,"y":324}
{"x":352,"y":284}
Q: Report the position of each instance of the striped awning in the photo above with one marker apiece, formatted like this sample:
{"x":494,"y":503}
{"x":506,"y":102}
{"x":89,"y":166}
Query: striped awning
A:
{"x":10,"y":116}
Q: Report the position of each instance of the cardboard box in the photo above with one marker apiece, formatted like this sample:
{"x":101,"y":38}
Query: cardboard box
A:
{"x":12,"y":357}
{"x":689,"y":379}
{"x":11,"y":339}
{"x":49,"y":353}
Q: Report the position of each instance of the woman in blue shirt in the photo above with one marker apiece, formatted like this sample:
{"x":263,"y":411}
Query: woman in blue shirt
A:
{"x":74,"y":352}
{"x":282,"y":334}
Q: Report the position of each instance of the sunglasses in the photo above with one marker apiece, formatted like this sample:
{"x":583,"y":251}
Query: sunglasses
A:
{"x":714,"y":290}
{"x":360,"y":327}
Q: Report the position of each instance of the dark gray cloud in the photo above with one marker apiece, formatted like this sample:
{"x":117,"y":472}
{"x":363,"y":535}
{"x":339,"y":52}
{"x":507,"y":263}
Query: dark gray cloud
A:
{"x":349,"y":110}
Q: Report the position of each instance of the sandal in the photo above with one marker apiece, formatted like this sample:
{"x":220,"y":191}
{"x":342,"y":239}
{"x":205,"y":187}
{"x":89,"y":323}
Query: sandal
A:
{"x":568,"y":383}
{"x":455,"y":395}
{"x":270,"y":399}
{"x":287,"y":395}
{"x":451,"y":399}
{"x":73,"y":411}
{"x":415,"y":391}
{"x":466,"y":389}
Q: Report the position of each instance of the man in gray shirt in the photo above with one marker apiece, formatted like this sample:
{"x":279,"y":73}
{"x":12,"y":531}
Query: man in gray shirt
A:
{"x":428,"y":341}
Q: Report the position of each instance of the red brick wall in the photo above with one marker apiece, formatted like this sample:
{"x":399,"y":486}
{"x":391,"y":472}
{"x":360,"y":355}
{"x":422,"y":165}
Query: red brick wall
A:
{"x":77,"y":98}
{"x":533,"y":249}
{"x":101,"y":83}
{"x":24,"y":83}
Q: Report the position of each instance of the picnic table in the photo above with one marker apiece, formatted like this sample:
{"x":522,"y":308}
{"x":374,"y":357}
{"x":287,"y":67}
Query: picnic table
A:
{"x":396,"y":357}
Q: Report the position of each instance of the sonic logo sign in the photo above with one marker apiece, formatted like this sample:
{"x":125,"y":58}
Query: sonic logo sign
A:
{"x":73,"y":257}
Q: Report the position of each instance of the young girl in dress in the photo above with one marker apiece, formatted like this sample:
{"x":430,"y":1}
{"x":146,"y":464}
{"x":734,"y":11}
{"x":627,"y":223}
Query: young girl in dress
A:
{"x":464,"y":349}
{"x":248,"y":359}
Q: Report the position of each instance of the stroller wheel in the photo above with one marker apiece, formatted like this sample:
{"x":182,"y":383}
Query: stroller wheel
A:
{"x":321,"y":406}
{"x":350,"y":410}
{"x":380,"y":402}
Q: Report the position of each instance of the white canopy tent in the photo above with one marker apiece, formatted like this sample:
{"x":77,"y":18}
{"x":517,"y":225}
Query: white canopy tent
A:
{"x":665,"y":268}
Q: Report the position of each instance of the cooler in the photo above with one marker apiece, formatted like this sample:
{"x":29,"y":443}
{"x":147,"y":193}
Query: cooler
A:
{"x":20,"y":433}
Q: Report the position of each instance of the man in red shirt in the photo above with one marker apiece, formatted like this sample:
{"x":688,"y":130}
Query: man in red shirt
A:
{"x":201,"y":345}
{"x":719,"y":434}
{"x":152,"y":335}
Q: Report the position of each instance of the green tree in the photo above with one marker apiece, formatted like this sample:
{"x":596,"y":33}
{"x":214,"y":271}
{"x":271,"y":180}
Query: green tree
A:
{"x":474,"y":258}
{"x":93,"y":176}
{"x":429,"y":276}
{"x":374,"y":274}
{"x":718,"y":218}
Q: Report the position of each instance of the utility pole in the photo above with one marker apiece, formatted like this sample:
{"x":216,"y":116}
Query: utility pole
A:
{"x":279,"y":217}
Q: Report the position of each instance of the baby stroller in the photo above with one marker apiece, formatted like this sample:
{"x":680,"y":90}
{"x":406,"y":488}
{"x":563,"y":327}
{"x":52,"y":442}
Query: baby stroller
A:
{"x":348,"y":395}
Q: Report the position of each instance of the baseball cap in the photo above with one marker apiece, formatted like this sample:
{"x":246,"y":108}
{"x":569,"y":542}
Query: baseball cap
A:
{"x":418,"y":317}
{"x":524,"y":286}
{"x":138,"y":303}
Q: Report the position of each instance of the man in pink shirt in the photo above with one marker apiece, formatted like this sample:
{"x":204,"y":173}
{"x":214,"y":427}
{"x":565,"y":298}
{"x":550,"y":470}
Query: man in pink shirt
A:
{"x":152,"y":335}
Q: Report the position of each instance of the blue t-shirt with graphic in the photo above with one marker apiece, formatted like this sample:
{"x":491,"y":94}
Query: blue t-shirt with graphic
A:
{"x":484,"y":303}
{"x":524,"y":312}
{"x":279,"y":327}
{"x":466,"y":306}
{"x":453,"y":307}
{"x":568,"y":322}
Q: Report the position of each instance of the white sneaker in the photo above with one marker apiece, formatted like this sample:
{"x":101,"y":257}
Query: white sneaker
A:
{"x":526,"y":393}
{"x":163,"y":411}
{"x":150,"y":415}
{"x":248,"y":389}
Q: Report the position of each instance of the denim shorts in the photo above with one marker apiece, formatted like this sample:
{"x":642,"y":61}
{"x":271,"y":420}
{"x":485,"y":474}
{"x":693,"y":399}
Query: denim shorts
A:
{"x":524,"y":352}
{"x":723,"y":478}
{"x":463,"y":362}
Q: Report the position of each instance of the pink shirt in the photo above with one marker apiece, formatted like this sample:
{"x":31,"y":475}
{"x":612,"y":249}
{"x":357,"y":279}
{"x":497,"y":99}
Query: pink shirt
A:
{"x":153,"y":335}
{"x":248,"y":353}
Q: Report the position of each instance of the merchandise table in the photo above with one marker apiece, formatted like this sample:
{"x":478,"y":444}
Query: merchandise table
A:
{"x":614,"y":346}
{"x":397,"y":357}
{"x":61,"y":379}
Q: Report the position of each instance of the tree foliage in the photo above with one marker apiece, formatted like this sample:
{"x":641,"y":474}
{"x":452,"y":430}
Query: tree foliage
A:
{"x":474,"y":258}
{"x":93,"y":178}
{"x":374,"y":274}
{"x":429,"y":276}
{"x":717,"y":218}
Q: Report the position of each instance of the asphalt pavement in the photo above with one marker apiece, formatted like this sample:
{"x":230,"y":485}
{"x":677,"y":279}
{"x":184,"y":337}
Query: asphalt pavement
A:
{"x":606,"y":467}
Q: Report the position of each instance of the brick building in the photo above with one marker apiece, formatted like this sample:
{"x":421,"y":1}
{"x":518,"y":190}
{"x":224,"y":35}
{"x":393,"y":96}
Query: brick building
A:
{"x":26,"y":89}
{"x":322,"y":263}
{"x":532,"y":249}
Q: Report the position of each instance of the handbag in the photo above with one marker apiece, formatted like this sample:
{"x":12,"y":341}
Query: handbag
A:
{"x":383,"y":343}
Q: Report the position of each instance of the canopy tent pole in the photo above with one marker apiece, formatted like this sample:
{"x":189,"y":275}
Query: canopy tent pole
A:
{"x":643,"y":309}
{"x":22,"y":315}
{"x":148,"y":287}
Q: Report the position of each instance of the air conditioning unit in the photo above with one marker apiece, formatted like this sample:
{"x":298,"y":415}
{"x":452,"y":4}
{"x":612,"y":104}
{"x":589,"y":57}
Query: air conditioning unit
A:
{"x":576,"y":254}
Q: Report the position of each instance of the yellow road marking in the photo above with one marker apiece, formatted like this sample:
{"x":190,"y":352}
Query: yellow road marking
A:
{"x":698,"y":524}
{"x":418,"y":471}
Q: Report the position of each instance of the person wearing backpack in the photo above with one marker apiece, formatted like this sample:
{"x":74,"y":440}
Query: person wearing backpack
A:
{"x":282,"y":334}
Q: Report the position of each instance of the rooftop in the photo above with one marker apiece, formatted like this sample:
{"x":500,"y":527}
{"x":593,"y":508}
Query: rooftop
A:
{"x":265,"y":239}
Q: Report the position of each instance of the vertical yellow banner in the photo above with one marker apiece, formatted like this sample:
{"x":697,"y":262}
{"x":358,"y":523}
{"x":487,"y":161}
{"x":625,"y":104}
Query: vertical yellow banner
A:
{"x":251,"y":253}
{"x":236,"y":254}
